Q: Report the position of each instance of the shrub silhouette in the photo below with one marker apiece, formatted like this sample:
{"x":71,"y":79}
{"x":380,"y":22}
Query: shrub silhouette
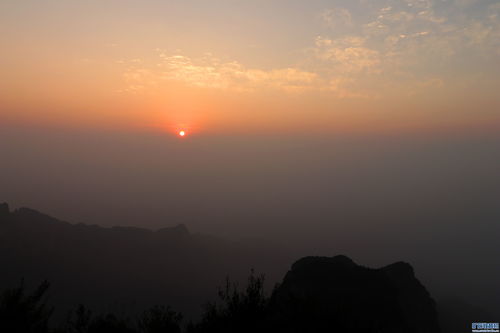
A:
{"x":109,"y":323}
{"x":160,"y":319}
{"x":78,"y":321}
{"x":317,"y":295}
{"x":81,"y":320}
{"x":237,"y":311}
{"x":25,"y":313}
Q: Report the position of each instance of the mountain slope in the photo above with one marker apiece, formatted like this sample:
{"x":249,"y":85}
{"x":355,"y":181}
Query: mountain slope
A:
{"x":334,"y":294}
{"x":127,"y":268}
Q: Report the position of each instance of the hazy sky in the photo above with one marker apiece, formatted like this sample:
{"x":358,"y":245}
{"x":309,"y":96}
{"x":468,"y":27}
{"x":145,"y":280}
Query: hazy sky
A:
{"x":251,"y":66}
{"x":365,"y":127}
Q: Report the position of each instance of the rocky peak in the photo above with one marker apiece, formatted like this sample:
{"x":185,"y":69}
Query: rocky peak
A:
{"x":389,"y":299}
{"x":336,"y":261}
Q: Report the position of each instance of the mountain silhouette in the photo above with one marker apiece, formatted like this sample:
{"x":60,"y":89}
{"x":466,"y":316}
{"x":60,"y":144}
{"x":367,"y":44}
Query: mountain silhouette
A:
{"x":125,"y":267}
{"x":128,"y":270}
{"x":334,"y":294}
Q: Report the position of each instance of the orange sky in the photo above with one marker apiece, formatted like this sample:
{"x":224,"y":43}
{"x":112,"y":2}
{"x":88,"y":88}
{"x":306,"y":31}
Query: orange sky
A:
{"x":389,"y":66}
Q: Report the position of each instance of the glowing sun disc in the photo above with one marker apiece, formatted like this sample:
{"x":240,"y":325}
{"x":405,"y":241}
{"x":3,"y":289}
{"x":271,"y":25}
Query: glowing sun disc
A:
{"x":182,"y":133}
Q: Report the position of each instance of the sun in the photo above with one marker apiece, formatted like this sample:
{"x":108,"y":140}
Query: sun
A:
{"x":182,"y":133}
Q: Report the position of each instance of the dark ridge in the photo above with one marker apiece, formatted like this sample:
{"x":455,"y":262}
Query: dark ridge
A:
{"x":339,"y":260}
{"x":31,"y":217}
{"x":179,"y":230}
{"x":4,"y":210}
{"x":34,"y":218}
{"x":172,"y":265}
{"x":339,"y":292}
{"x":400,"y":268}
{"x":102,"y":266}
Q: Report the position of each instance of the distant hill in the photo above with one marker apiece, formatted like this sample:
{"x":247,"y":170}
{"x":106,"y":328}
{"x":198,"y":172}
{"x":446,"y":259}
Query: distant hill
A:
{"x":127,"y":269}
{"x":121,"y":267}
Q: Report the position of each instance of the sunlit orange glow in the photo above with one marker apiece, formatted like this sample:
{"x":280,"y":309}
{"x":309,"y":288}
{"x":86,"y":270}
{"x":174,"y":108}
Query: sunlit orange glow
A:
{"x":125,"y":70}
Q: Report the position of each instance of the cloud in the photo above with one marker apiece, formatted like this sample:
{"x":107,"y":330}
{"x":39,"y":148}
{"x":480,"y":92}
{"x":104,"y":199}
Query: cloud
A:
{"x":348,"y":55}
{"x":465,"y":3}
{"x":419,"y":3}
{"x":211,"y":72}
{"x":336,"y":17}
{"x":410,"y":42}
{"x":343,"y":58}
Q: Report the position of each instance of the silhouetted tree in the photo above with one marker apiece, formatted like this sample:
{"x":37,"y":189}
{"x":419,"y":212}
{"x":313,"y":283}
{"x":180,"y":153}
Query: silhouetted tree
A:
{"x":318,"y":294}
{"x":25,"y":313}
{"x":237,"y":311}
{"x":109,"y":323}
{"x":78,"y":321}
{"x":160,"y":319}
{"x":81,"y":320}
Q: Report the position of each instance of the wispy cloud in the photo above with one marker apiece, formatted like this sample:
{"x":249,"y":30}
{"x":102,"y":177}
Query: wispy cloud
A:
{"x":336,"y":17}
{"x":401,"y":44}
{"x":212,"y":72}
{"x":348,"y":55}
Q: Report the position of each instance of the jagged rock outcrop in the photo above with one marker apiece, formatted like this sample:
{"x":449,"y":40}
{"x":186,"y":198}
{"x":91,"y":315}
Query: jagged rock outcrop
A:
{"x":337,"y":295}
